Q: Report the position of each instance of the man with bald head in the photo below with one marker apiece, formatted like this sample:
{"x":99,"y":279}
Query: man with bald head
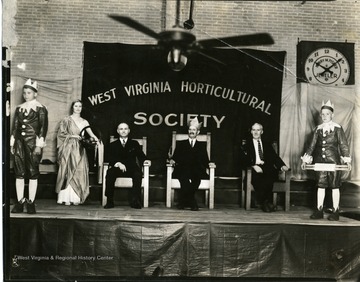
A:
{"x":265,"y":164}
{"x":125,"y":159}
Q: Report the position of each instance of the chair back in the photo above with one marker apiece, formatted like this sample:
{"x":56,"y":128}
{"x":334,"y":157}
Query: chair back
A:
{"x":141,"y":141}
{"x":184,"y":136}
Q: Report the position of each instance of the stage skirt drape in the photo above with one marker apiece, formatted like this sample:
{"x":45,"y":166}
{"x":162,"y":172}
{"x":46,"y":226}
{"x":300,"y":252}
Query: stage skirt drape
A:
{"x":59,"y":248}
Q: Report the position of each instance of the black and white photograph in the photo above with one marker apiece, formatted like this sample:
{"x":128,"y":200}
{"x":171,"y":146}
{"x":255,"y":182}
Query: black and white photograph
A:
{"x":180,"y":140}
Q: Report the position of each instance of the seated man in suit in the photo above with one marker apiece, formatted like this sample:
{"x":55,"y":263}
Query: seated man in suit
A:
{"x":125,"y":159}
{"x":265,"y":164}
{"x":191,"y":161}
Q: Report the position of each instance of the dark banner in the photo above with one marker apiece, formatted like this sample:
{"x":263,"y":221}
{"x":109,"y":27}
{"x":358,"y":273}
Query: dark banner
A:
{"x":134,"y":83}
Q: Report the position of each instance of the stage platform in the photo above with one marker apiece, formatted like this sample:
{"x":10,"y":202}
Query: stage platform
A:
{"x":87,"y":242}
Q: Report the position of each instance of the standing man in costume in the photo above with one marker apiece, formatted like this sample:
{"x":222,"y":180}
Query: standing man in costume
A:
{"x":191,"y":161}
{"x":265,"y":164}
{"x":125,"y":159}
{"x":26,"y":144}
{"x":328,"y":140}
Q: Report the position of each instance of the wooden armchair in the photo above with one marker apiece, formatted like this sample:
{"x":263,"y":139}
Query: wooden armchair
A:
{"x":282,"y":185}
{"x":205,"y":184}
{"x":126,"y":182}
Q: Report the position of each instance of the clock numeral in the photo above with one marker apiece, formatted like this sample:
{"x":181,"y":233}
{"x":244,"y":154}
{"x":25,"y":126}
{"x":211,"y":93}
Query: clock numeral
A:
{"x":316,"y":54}
{"x":326,"y":51}
{"x":311,"y":60}
{"x":345,"y":71}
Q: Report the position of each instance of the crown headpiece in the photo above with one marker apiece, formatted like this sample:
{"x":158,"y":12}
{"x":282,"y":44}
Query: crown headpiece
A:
{"x":32,"y":84}
{"x":328,"y":105}
{"x":194,"y":122}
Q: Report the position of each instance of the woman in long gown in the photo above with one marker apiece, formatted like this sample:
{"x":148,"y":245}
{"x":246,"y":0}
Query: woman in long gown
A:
{"x":72,"y":184}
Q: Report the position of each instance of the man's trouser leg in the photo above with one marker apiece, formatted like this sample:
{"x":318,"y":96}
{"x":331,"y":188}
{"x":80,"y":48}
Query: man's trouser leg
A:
{"x":111,"y":175}
{"x":185,"y":194}
{"x":136,"y":189}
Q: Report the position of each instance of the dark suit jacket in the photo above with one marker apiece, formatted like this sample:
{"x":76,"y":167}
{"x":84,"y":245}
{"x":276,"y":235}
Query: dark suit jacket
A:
{"x":131,"y":155}
{"x":190,"y":160}
{"x":272,"y":162}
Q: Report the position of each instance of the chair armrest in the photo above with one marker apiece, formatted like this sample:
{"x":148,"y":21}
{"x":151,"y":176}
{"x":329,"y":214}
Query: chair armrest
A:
{"x":212,"y":165}
{"x":284,"y":175}
{"x":106,"y":164}
{"x":147,"y":163}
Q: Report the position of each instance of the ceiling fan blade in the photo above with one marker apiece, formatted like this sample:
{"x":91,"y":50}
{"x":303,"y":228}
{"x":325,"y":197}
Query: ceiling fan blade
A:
{"x":240,"y":40}
{"x":135,"y":25}
{"x":210,"y":57}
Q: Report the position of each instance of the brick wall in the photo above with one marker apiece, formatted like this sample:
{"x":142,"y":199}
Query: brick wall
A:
{"x":47,"y":35}
{"x":50,"y":33}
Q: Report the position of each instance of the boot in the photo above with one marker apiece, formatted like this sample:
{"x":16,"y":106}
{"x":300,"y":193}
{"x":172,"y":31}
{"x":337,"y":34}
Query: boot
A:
{"x":334,"y":216}
{"x":30,"y":206}
{"x":318,"y":214}
{"x":18,"y":207}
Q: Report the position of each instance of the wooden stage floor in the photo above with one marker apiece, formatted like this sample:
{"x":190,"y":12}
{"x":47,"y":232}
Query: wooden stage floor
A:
{"x":158,"y":213}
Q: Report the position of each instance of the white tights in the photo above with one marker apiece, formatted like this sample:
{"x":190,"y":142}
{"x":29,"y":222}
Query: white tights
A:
{"x":321,"y":197}
{"x":20,"y":187}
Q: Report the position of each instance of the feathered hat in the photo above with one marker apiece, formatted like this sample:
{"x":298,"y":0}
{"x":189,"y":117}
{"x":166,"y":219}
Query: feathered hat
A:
{"x":32,"y":84}
{"x":328,"y":105}
{"x":194,"y":122}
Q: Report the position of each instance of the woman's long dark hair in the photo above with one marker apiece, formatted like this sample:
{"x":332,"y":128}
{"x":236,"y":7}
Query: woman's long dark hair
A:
{"x":72,"y":105}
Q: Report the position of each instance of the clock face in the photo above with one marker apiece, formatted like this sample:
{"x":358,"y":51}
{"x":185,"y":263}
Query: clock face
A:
{"x":327,"y":66}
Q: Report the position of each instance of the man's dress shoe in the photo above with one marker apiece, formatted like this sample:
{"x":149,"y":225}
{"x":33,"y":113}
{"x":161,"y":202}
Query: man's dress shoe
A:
{"x":135,"y":204}
{"x":109,"y":205}
{"x":265,"y":207}
{"x":194,"y":206}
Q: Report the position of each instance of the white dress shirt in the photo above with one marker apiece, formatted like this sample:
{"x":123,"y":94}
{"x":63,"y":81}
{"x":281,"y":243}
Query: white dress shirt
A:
{"x":258,"y":161}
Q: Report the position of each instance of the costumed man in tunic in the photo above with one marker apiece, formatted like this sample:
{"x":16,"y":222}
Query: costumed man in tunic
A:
{"x":72,"y":183}
{"x":26,"y":144}
{"x":328,"y":140}
{"x":265,"y":164}
{"x":191,"y":161}
{"x":125,"y":158}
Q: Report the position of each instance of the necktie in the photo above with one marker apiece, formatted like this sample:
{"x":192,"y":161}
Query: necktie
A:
{"x":123,"y":142}
{"x":192,"y":143}
{"x":261,"y":154}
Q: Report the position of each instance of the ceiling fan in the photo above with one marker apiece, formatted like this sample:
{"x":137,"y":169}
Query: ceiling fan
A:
{"x":180,"y":42}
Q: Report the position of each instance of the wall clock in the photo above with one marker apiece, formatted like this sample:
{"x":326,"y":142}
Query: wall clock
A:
{"x":326,"y":63}
{"x":327,"y":66}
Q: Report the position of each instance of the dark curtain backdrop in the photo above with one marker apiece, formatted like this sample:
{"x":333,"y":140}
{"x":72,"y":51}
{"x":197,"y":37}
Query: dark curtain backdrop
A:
{"x":134,"y":83}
